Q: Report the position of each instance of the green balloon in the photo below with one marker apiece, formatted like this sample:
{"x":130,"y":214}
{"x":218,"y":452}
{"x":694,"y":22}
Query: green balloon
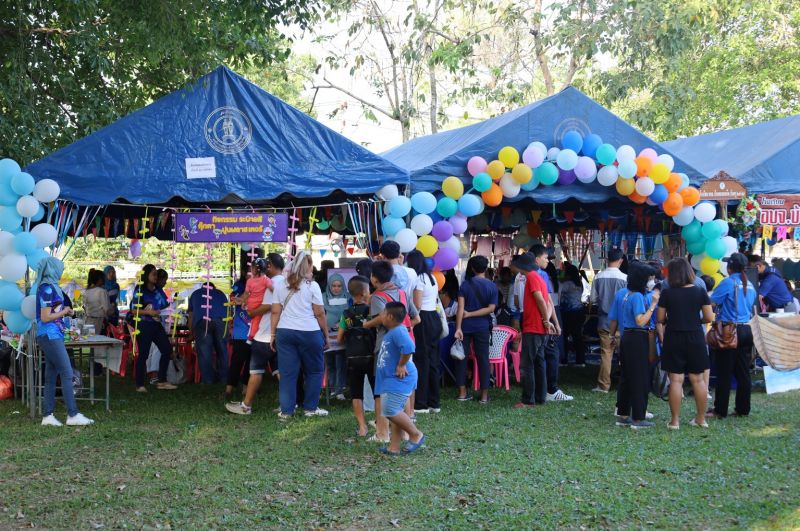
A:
{"x":482,"y":182}
{"x":692,"y":232}
{"x":447,"y":207}
{"x":696,"y":247}
{"x":711,"y":231}
{"x":546,"y":174}
{"x":606,"y":154}
{"x":715,"y":248}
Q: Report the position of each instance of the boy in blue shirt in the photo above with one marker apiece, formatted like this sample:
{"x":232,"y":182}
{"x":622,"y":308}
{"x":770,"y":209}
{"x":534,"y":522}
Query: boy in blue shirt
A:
{"x":396,"y":379}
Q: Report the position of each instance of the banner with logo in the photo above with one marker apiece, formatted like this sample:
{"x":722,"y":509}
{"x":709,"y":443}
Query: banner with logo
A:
{"x":196,"y":227}
{"x":780,"y":209}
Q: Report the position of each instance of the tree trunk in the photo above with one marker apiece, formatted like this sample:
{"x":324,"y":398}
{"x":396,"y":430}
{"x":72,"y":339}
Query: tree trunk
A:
{"x":434,"y":98}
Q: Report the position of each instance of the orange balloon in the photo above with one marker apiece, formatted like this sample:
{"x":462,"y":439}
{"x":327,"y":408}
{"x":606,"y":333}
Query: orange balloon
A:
{"x":673,"y":183}
{"x":493,"y":196}
{"x":690,"y":195}
{"x":643,"y":166}
{"x":496,"y":170}
{"x":439,"y":276}
{"x":673,"y":205}
{"x":637,"y":198}
{"x":626,"y":186}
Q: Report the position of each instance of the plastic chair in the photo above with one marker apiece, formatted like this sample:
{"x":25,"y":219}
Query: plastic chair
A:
{"x":118,"y":332}
{"x":501,"y":337}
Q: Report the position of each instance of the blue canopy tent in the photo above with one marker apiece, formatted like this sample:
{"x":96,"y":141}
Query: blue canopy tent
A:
{"x":433,"y":158}
{"x":764,"y":157}
{"x":220,"y":141}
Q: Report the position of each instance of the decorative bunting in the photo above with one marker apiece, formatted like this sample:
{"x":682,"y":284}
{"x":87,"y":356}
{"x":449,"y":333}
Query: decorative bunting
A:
{"x":781,"y":233}
{"x":767,"y":232}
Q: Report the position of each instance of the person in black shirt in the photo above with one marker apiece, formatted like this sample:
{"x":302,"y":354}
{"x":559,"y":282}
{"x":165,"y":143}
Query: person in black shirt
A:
{"x":679,"y":309}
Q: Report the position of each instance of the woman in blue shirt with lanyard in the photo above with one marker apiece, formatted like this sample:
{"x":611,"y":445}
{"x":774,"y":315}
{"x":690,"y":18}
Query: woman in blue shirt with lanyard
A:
{"x":634,"y":319}
{"x":736,"y":299}
{"x":147,"y":302}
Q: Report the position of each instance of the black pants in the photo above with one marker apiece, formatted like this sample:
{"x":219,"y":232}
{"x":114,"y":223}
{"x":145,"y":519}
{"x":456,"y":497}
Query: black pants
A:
{"x":239,"y":371}
{"x":152,"y":332}
{"x":734,"y":362}
{"x":357,"y":369}
{"x":480,"y":346}
{"x":634,"y":378}
{"x":552,"y":355}
{"x":532,"y":368}
{"x":427,"y":360}
{"x":573,"y":330}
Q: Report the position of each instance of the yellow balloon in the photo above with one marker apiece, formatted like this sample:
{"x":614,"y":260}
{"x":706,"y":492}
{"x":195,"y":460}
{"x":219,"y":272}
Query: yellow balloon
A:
{"x":626,"y":186}
{"x":427,"y":245}
{"x":709,"y":266}
{"x":509,"y":156}
{"x":659,"y":173}
{"x":717,"y":278}
{"x":453,"y":188}
{"x":495,"y":169}
{"x":522,"y":173}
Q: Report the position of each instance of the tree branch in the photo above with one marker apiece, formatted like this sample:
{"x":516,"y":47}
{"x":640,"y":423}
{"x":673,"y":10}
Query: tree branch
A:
{"x":355,"y":97}
{"x":541,"y":56}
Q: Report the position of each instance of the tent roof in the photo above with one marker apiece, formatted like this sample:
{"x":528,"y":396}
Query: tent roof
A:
{"x":763,"y":156}
{"x":262,"y":148}
{"x":433,"y":158}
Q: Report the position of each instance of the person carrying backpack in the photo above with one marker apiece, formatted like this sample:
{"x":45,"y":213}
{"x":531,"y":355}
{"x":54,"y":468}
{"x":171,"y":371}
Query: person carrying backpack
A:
{"x":359,"y":347}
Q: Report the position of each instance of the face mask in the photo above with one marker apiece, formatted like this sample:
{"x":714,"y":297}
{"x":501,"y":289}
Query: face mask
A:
{"x":650,"y":285}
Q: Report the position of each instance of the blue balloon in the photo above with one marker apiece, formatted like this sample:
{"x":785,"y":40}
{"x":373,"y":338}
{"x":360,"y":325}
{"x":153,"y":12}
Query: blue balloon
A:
{"x":531,"y":185}
{"x":8,"y":197}
{"x":659,"y":194}
{"x":435,"y":216}
{"x":25,"y":243}
{"x":391,"y":226}
{"x":590,"y":144}
{"x":39,"y":254}
{"x":430,"y":263}
{"x":39,"y":216}
{"x":8,"y":169}
{"x":10,"y":297}
{"x":423,"y":202}
{"x":400,"y":206}
{"x":572,"y":140}
{"x":16,"y":322}
{"x":9,"y":218}
{"x":684,"y":181}
{"x":22,"y":183}
{"x":470,"y":205}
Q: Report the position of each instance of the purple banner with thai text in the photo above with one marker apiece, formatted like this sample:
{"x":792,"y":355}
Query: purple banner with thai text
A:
{"x":195,"y":227}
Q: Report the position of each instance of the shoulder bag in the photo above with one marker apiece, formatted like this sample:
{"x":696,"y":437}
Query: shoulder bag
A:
{"x":722,"y":335}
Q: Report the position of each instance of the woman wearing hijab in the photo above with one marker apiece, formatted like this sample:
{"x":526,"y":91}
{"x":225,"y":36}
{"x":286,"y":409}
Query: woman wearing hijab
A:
{"x":112,"y":288}
{"x":298,"y":329}
{"x":335,"y":300}
{"x":50,"y":313}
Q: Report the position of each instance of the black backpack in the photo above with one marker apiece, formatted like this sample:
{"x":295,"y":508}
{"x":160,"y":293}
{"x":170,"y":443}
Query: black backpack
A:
{"x":359,"y":342}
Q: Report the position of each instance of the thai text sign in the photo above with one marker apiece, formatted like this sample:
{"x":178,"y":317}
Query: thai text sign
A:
{"x":779,"y":209}
{"x":722,"y":188}
{"x":254,"y":227}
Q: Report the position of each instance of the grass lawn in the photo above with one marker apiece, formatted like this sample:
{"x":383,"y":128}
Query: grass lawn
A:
{"x":178,"y":459}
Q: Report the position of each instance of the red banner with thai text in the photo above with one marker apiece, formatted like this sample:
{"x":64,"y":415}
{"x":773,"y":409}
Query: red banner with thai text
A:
{"x":779,"y":209}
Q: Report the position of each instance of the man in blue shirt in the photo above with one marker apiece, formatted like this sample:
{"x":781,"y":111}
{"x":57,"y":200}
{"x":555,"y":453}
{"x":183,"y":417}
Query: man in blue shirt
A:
{"x":772,"y":290}
{"x":207,"y":312}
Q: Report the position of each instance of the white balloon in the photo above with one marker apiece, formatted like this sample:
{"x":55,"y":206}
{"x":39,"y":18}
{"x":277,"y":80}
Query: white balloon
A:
{"x":27,"y":206}
{"x":731,"y":245}
{"x":645,"y":186}
{"x":421,"y":224}
{"x":6,"y":243}
{"x":29,"y":307}
{"x":509,"y":186}
{"x":386,"y":208}
{"x":387,"y":193}
{"x":541,"y":147}
{"x":552,"y":153}
{"x":696,"y":259}
{"x":724,"y":270}
{"x":625,"y":152}
{"x":705,"y":212}
{"x":666,"y":160}
{"x":453,"y":243}
{"x":46,"y":190}
{"x":684,"y":217}
{"x":13,"y":267}
{"x":406,"y":239}
{"x":46,"y":235}
{"x":607,"y":176}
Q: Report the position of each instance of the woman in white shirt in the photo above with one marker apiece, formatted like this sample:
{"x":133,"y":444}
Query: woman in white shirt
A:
{"x":426,"y":335}
{"x":298,"y":325}
{"x":96,"y":304}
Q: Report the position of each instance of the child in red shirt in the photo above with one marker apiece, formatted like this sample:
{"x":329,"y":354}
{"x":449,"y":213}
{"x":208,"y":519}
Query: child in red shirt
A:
{"x":254,"y":291}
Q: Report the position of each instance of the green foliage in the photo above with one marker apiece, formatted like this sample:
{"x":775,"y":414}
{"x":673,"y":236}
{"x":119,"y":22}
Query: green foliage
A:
{"x":69,"y":68}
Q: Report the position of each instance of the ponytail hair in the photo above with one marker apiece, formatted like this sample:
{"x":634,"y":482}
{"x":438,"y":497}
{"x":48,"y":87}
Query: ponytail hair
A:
{"x":736,"y":264}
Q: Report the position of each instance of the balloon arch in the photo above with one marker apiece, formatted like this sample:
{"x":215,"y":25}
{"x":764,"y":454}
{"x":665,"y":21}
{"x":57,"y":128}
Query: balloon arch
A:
{"x":644,"y":178}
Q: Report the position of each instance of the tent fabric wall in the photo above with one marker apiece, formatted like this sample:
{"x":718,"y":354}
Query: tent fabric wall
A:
{"x":764,"y":157}
{"x":270,"y":149}
{"x":433,"y":158}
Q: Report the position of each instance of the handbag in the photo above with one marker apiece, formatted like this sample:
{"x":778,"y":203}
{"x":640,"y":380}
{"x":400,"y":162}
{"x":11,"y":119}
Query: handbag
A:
{"x":457,"y":351}
{"x":442,"y":319}
{"x":721,"y":335}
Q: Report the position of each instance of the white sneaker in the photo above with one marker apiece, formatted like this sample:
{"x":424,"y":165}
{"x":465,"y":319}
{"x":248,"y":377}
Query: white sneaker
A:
{"x":426,"y":410}
{"x":435,"y":410}
{"x":238,"y":408}
{"x":319,"y":412}
{"x":51,"y":420}
{"x":599,"y":390}
{"x":79,"y":420}
{"x":341,"y":396}
{"x":558,"y":396}
{"x":648,"y":415}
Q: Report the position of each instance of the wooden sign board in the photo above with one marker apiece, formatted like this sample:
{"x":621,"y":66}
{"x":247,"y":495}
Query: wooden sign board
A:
{"x":722,"y":187}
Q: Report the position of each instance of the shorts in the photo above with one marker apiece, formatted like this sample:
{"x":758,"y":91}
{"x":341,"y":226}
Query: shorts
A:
{"x":393,"y":404}
{"x":684,"y":352}
{"x":260,"y":356}
{"x":355,"y":378}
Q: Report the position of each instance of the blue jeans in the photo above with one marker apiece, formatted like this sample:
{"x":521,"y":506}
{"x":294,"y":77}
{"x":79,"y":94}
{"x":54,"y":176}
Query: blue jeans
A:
{"x":336,"y":360}
{"x":300,"y":350}
{"x":206,"y":342}
{"x":57,"y":364}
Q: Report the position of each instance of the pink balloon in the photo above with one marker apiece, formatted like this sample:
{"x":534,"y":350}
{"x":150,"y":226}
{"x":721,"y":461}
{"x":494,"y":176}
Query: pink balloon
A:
{"x":650,"y":153}
{"x":476,"y":165}
{"x":586,"y":169}
{"x":533,"y":157}
{"x":445,"y":258}
{"x":459,"y":224}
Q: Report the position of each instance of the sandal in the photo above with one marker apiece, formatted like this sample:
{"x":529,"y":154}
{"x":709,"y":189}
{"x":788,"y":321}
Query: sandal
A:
{"x":385,"y":451}
{"x":411,"y":447}
{"x":359,"y":434}
{"x":694,"y":423}
{"x":671,"y":427}
{"x":376,"y":439}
